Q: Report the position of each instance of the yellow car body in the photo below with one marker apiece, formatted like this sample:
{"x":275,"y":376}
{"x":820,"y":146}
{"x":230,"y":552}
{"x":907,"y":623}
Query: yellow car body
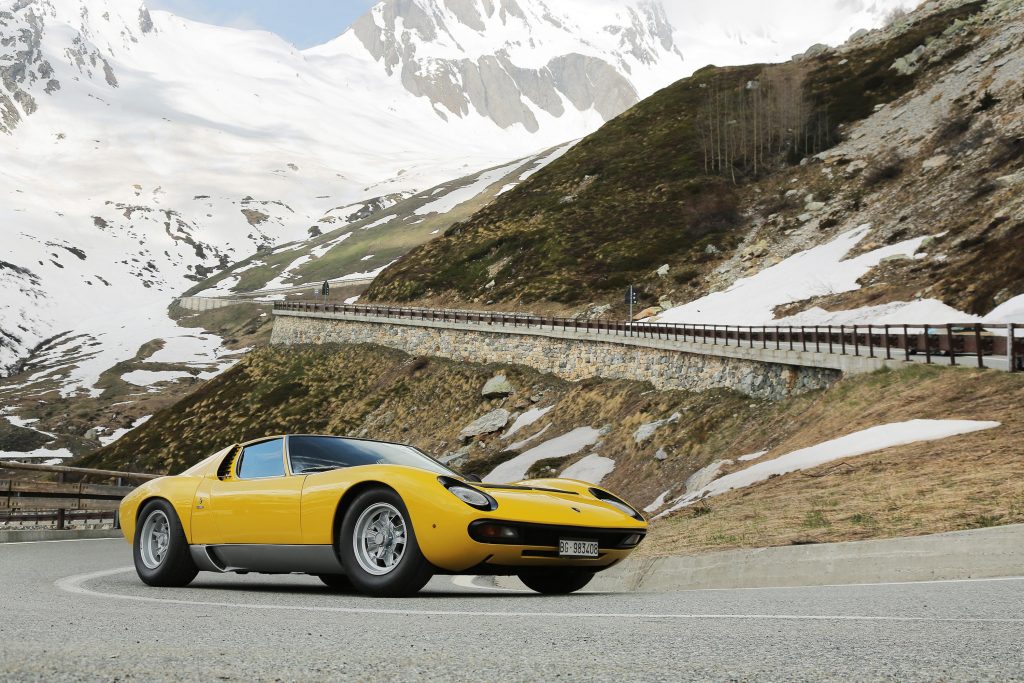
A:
{"x":290,"y":523}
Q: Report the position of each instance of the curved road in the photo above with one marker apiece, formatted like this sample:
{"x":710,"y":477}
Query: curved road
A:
{"x":74,"y":610}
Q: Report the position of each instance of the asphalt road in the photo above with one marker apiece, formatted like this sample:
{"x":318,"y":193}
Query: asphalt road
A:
{"x":75,"y":610}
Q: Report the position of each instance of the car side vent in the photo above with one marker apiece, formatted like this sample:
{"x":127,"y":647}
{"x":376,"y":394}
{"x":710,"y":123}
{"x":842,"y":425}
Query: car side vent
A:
{"x":224,"y":469}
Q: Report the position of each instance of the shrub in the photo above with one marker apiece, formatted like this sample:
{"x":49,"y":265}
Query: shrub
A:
{"x":886,"y":169}
{"x":1006,"y":150}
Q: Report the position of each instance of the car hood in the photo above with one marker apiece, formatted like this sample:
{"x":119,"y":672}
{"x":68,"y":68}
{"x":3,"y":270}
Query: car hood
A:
{"x":556,"y":502}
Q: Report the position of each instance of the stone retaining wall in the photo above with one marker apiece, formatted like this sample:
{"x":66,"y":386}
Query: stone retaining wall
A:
{"x":208,"y":303}
{"x":563,"y":354}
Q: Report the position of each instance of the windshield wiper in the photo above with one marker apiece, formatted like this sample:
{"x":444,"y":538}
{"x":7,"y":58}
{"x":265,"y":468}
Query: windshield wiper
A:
{"x":321,"y":468}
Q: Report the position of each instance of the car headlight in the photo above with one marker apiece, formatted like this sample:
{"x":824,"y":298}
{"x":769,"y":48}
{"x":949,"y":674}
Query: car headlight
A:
{"x":616,"y":503}
{"x":622,"y":506}
{"x":468,"y":495}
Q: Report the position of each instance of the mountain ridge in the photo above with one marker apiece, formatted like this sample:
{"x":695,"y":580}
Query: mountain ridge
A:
{"x":710,"y":186}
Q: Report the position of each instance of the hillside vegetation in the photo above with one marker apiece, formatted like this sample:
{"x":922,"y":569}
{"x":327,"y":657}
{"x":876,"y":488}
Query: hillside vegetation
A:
{"x":733,"y":169}
{"x":656,"y":440}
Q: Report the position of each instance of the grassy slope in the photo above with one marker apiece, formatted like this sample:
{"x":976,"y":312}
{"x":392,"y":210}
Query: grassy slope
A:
{"x":962,"y":482}
{"x":385,"y":242}
{"x":634,"y":196}
{"x":120,"y":403}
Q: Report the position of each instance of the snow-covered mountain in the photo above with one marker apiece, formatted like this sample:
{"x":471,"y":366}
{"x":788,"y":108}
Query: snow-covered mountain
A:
{"x":760,"y":31}
{"x":514,"y":62}
{"x":140,"y":150}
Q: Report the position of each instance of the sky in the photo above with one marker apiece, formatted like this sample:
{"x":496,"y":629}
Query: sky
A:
{"x":303,"y":23}
{"x":767,"y":30}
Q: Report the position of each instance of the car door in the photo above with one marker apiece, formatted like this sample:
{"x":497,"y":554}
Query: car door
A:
{"x":257,"y":501}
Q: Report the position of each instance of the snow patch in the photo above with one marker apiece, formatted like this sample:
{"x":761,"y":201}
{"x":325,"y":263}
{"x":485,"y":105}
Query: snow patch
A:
{"x":751,"y":456}
{"x":658,"y":502}
{"x":819,"y":271}
{"x":146,"y":378}
{"x":526,"y":419}
{"x":463,"y":194}
{"x":118,"y":433}
{"x":646,"y":430}
{"x":558,"y":447}
{"x":591,"y":469}
{"x":516,"y":445}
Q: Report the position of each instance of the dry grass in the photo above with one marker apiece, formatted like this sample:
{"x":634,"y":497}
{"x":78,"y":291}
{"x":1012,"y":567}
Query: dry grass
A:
{"x":957,"y":483}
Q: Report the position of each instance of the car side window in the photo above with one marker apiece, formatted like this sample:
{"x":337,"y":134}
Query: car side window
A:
{"x":262,"y":460}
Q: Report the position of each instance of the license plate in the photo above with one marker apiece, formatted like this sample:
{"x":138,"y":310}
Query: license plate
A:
{"x":573,"y":548}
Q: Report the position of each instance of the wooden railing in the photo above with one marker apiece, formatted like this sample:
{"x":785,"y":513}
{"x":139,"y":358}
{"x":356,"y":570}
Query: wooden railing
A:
{"x":930,"y":343}
{"x":62,"y":500}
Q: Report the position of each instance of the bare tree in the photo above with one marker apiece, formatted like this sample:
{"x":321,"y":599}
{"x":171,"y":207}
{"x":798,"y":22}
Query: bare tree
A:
{"x":747,"y":128}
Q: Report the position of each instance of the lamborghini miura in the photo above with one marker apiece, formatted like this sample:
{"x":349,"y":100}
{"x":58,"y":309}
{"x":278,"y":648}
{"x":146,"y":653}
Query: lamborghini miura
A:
{"x":377,"y":517}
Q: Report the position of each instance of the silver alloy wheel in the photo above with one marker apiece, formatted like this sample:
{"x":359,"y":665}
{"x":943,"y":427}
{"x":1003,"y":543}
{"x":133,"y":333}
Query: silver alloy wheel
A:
{"x":154,"y":539}
{"x":379,"y":539}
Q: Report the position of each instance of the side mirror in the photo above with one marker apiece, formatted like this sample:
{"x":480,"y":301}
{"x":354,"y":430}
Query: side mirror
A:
{"x":472,"y":477}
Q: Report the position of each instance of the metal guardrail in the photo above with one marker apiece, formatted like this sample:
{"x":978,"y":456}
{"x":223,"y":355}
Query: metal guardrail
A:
{"x":62,"y":500}
{"x":976,"y":341}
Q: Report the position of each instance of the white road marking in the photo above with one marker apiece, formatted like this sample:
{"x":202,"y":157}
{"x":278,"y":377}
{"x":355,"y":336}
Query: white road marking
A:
{"x":62,"y":540}
{"x":73,"y":584}
{"x":848,"y":585}
{"x":469,"y":581}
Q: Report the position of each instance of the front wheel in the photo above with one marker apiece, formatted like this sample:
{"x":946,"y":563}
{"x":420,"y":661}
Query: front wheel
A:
{"x":160,"y":549}
{"x":338,"y":582}
{"x":378,"y":547}
{"x":556,"y":581}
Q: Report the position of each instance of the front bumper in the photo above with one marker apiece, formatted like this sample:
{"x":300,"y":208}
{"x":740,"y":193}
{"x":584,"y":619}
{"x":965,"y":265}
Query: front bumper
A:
{"x":535,"y":546}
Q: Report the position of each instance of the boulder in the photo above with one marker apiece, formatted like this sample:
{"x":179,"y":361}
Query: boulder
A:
{"x":815,"y":50}
{"x":662,"y":272}
{"x":648,"y":312}
{"x":705,"y":476}
{"x":455,"y":458}
{"x":486,"y":424}
{"x":937,"y":161}
{"x":497,"y":387}
{"x":1010,"y":180}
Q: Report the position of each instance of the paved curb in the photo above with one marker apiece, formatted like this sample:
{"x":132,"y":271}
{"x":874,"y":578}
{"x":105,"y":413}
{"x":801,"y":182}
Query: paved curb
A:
{"x":977,"y":553}
{"x":974,"y":554}
{"x":29,"y":535}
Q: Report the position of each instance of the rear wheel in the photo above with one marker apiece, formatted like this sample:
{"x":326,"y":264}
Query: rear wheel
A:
{"x":556,"y":581}
{"x":160,"y":549}
{"x":378,"y":547}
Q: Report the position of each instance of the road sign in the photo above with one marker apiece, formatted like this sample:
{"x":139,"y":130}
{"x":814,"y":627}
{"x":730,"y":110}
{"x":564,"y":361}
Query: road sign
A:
{"x":631,"y":299}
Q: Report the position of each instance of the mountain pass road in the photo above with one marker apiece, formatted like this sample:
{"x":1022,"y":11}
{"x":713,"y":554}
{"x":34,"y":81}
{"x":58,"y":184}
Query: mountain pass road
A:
{"x":74,"y":610}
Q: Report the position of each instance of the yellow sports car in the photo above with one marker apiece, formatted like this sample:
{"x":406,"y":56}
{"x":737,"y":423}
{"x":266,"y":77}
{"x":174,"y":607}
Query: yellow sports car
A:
{"x":378,"y":517}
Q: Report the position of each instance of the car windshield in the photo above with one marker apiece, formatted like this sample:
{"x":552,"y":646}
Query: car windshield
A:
{"x":320,"y":453}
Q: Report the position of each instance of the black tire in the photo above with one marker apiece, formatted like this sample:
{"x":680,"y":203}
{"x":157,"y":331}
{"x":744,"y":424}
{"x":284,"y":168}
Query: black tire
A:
{"x":556,"y":581}
{"x":411,"y":571}
{"x":338,"y":582}
{"x":174,"y":567}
